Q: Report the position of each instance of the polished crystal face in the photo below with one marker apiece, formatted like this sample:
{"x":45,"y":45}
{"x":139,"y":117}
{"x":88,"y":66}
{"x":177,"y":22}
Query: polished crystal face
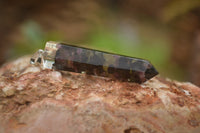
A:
{"x":65,"y":57}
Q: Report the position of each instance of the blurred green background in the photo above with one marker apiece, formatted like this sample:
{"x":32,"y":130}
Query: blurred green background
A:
{"x":165,"y":32}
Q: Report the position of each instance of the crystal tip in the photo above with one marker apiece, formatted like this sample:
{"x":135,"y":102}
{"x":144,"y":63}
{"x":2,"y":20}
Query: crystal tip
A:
{"x":151,"y":72}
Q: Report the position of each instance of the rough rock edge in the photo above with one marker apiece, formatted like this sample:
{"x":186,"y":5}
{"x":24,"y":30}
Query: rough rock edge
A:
{"x":158,"y":105}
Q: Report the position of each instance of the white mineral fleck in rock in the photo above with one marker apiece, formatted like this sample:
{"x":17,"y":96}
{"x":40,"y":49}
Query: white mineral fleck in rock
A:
{"x":59,"y":96}
{"x":20,"y":87}
{"x":32,"y":69}
{"x":56,"y":75}
{"x":154,"y":83}
{"x":8,"y":90}
{"x":74,"y":86}
{"x":186,"y":92}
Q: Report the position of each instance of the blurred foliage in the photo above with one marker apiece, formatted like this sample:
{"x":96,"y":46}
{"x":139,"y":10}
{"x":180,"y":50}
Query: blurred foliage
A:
{"x":152,"y":45}
{"x":179,"y":7}
{"x":152,"y":49}
{"x":33,"y":38}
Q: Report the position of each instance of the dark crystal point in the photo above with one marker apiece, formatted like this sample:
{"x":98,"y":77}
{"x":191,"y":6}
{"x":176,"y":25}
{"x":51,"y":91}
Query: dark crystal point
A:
{"x":93,"y":62}
{"x":77,"y":59}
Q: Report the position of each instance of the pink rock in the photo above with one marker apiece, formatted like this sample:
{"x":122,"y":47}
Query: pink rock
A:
{"x":64,"y":102}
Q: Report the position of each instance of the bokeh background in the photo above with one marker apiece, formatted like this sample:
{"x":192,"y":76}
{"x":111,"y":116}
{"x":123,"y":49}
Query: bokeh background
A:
{"x":166,"y":32}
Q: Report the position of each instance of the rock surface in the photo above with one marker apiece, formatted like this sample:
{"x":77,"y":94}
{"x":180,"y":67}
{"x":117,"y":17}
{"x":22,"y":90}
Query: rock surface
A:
{"x":46,"y":101}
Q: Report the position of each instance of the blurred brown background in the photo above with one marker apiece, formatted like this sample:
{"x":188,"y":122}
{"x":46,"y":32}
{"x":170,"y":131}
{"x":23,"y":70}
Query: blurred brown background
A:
{"x":166,"y":32}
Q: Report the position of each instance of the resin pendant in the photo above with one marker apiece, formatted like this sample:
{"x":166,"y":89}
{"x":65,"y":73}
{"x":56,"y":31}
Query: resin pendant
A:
{"x":65,"y":57}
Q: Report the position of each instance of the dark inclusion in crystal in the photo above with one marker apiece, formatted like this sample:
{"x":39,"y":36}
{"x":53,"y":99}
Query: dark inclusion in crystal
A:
{"x":92,"y":62}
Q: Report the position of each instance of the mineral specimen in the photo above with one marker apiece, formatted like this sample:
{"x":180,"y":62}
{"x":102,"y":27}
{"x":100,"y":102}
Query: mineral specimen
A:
{"x":66,"y":57}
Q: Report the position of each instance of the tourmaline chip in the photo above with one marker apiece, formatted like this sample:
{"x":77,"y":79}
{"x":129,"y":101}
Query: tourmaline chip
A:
{"x":66,"y":57}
